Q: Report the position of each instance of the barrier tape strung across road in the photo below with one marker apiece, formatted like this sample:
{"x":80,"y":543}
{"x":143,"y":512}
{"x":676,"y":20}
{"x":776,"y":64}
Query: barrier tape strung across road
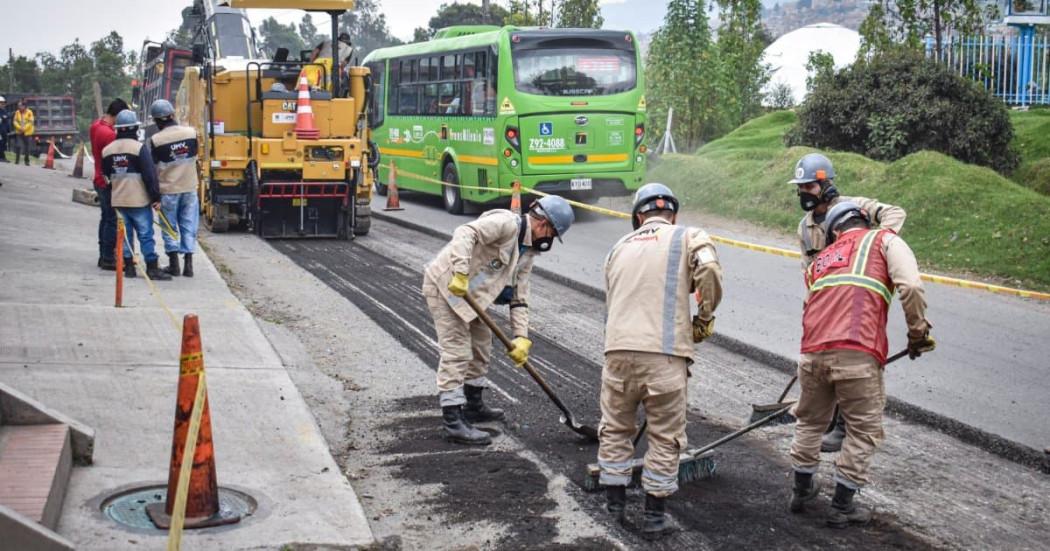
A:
{"x":141,"y":262}
{"x":942,"y":280}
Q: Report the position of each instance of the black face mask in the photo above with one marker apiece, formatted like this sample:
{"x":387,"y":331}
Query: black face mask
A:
{"x":543,"y":244}
{"x":808,"y":201}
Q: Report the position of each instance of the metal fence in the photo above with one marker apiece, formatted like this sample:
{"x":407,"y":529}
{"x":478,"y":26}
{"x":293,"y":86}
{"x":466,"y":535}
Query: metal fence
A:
{"x":1015,"y":69}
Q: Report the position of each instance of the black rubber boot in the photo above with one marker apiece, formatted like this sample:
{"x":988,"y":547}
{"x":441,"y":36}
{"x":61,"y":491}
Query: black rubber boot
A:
{"x":459,"y":431}
{"x":616,"y":501}
{"x":475,"y":411}
{"x":172,"y":268}
{"x":832,"y":441}
{"x":129,"y":268}
{"x":844,"y":512}
{"x":187,"y":264}
{"x":155,"y":273}
{"x":654,"y":519}
{"x":806,"y":490}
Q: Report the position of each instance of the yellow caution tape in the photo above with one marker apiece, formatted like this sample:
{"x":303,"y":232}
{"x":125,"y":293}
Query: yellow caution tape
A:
{"x":942,"y":280}
{"x":137,"y":259}
{"x":167,"y":226}
{"x":182,"y":488}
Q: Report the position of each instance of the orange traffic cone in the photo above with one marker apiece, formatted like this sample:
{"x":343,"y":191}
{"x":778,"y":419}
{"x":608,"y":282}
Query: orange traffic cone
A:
{"x":78,"y":167}
{"x":305,"y":129}
{"x":50,"y":162}
{"x":515,"y":197}
{"x":393,"y":202}
{"x":202,"y":500}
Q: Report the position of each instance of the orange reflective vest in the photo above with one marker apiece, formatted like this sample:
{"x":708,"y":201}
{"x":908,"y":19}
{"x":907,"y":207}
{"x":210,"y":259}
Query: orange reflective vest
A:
{"x":850,"y":291}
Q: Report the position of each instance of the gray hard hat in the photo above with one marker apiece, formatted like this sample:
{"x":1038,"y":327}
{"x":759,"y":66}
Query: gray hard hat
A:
{"x":126,"y":119}
{"x":161,"y":109}
{"x":652,"y":197}
{"x":557,"y":211}
{"x":840,"y":213}
{"x":813,"y":168}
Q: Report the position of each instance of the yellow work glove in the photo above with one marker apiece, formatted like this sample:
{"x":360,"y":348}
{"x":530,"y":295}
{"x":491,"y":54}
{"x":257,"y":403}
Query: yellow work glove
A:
{"x":702,"y":329}
{"x":918,"y":345}
{"x":519,"y":354}
{"x":459,"y":284}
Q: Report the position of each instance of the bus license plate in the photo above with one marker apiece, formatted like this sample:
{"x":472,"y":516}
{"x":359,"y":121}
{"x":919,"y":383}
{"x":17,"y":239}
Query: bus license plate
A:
{"x":580,"y":184}
{"x":299,"y":201}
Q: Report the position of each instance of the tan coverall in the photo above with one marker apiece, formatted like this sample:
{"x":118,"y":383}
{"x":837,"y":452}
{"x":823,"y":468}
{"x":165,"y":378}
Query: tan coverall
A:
{"x":811,"y":239}
{"x":650,"y":276}
{"x":487,"y":251}
{"x":854,"y":380}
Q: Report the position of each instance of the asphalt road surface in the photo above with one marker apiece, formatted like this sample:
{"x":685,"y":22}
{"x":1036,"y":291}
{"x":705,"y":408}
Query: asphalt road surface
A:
{"x":991,"y":369}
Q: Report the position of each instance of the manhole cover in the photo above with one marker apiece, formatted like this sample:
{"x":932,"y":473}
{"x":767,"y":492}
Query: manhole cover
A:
{"x":129,"y":507}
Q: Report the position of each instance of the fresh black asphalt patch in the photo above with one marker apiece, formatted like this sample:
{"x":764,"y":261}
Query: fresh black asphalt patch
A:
{"x":743,"y":506}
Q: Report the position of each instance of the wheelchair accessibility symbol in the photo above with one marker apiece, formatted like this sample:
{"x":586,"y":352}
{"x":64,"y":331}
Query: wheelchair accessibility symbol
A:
{"x":546,"y":129}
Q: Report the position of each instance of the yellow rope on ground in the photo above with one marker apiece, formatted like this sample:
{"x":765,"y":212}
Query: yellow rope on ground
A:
{"x":942,"y":280}
{"x":140,"y":262}
{"x":178,"y":512}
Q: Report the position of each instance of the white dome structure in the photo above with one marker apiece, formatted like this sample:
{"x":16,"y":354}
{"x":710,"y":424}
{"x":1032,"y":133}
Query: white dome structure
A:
{"x":788,"y":55}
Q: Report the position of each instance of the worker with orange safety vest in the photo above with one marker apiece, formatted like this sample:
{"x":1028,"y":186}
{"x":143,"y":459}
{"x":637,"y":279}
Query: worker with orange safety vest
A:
{"x":851,"y":284}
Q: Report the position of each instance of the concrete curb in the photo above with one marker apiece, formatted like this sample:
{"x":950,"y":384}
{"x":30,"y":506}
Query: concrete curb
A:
{"x":22,"y":533}
{"x":991,"y":443}
{"x":19,"y":409}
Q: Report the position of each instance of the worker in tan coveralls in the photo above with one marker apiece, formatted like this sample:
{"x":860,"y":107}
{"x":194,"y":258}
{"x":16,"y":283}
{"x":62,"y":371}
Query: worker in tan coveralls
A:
{"x":491,"y":258}
{"x":650,"y":275}
{"x":814,"y":176}
{"x":844,"y":345}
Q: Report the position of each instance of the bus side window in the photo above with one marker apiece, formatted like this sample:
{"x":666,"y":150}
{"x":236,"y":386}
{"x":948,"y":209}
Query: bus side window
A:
{"x":430,"y":99}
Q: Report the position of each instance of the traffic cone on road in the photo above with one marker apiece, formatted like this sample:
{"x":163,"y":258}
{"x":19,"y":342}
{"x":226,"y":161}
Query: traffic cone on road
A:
{"x":515,"y":198}
{"x":78,"y":167}
{"x":305,"y":129}
{"x":393,"y":202}
{"x":50,"y":162}
{"x":202,"y":500}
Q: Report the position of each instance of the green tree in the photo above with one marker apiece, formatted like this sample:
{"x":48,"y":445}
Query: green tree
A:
{"x":741,"y":40}
{"x":682,"y":72}
{"x":273,"y":35}
{"x":582,"y":14}
{"x":22,"y":74}
{"x":527,"y":13}
{"x":309,"y":33}
{"x":904,"y":23}
{"x":466,"y":14}
{"x":367,"y":27}
{"x":421,"y":34}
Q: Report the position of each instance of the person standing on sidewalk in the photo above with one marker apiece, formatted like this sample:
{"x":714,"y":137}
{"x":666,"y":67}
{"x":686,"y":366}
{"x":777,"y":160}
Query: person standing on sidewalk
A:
{"x":174,"y":152}
{"x":5,"y":128}
{"x":844,"y":345}
{"x":814,"y":178}
{"x":102,"y":134}
{"x":133,"y":179}
{"x":650,"y":276}
{"x":25,"y":126}
{"x":491,"y":258}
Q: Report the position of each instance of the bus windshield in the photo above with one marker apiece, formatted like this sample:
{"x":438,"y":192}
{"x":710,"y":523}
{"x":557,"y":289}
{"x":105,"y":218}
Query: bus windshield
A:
{"x":574,"y":71}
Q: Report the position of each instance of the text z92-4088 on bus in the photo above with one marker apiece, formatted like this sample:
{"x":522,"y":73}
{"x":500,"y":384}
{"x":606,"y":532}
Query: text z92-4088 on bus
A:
{"x":560,"y":110}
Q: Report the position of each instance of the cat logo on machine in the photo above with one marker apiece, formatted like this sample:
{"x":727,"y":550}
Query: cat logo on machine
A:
{"x":288,"y":105}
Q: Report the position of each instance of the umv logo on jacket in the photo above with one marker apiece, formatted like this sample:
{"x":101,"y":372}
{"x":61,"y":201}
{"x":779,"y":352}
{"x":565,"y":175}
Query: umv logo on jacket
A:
{"x":180,"y":150}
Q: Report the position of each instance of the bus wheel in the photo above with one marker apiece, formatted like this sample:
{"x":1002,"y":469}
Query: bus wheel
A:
{"x":381,"y":188}
{"x":453,"y":198}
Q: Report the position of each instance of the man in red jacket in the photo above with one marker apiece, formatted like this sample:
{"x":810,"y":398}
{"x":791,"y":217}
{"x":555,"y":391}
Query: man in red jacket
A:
{"x":103,"y":134}
{"x":851,"y":283}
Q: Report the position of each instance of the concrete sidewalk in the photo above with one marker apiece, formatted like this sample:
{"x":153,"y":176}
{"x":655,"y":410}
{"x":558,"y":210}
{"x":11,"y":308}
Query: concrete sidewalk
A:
{"x":63,"y":343}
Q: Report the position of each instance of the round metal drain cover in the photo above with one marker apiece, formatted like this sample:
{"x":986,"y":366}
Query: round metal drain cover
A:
{"x":129,"y":507}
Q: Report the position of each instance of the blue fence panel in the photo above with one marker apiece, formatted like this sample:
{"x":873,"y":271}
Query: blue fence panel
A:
{"x":1013,"y":68}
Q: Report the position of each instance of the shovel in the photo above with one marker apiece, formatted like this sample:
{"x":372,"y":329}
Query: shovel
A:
{"x":567,"y":417}
{"x":761,"y":411}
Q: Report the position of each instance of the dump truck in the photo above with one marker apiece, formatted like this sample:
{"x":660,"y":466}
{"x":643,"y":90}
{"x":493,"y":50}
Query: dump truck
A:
{"x":55,"y":119}
{"x":256,"y":171}
{"x":161,"y":68}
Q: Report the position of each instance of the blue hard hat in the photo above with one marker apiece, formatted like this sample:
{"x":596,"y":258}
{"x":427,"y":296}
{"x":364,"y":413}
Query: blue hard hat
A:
{"x":557,"y":211}
{"x":161,"y":109}
{"x":126,"y":119}
{"x":652,"y":196}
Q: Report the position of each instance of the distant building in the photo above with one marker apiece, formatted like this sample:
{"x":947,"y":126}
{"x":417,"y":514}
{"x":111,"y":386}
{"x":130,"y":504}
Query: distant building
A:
{"x":789,"y":54}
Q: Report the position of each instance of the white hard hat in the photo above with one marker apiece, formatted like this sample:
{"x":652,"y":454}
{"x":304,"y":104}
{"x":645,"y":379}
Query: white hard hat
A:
{"x":3,"y":99}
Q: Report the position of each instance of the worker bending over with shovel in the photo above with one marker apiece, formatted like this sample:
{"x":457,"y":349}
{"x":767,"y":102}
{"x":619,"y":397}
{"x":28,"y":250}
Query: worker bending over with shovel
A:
{"x":844,"y":345}
{"x":815,"y":181}
{"x":490,"y":258}
{"x":650,"y":275}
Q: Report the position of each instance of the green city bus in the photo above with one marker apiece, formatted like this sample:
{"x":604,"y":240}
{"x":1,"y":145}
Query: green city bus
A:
{"x":560,"y":110}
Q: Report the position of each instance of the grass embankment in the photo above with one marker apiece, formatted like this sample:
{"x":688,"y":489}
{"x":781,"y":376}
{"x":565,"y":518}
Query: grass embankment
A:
{"x":1032,"y":139}
{"x":961,"y":218}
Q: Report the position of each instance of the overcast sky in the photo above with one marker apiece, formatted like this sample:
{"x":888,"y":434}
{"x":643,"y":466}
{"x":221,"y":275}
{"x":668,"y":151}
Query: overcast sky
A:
{"x":31,"y":26}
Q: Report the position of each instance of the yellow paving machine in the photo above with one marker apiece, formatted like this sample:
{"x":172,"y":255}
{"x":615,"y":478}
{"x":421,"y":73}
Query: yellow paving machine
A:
{"x":256,"y":171}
